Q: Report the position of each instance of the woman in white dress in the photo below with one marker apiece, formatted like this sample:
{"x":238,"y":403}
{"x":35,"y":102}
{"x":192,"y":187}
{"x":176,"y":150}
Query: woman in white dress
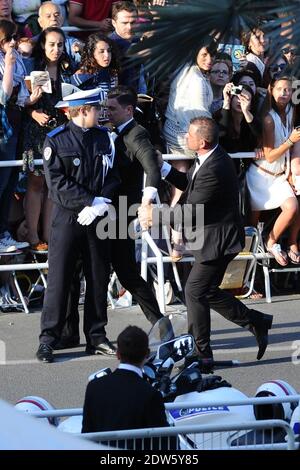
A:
{"x":190,"y":96}
{"x":268,"y":178}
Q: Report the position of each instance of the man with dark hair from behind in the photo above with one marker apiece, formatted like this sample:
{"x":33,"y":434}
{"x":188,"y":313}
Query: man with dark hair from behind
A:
{"x":123,"y":399}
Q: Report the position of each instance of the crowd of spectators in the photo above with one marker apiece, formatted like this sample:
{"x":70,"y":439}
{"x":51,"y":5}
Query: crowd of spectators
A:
{"x":252,"y":103}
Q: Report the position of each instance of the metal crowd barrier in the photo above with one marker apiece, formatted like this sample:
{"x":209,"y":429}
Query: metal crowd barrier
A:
{"x":159,"y":259}
{"x":67,"y":412}
{"x":251,"y":435}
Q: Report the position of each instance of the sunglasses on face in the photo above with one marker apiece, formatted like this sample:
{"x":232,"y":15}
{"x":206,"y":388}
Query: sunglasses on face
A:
{"x":9,"y":38}
{"x":289,"y":51}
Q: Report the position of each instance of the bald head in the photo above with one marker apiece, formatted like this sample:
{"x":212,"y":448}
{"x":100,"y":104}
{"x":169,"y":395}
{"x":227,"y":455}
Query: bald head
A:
{"x":50,"y":15}
{"x":5,"y":9}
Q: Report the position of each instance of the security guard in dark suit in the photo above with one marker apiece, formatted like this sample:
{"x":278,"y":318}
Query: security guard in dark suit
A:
{"x":82,"y":178}
{"x":211,"y":183}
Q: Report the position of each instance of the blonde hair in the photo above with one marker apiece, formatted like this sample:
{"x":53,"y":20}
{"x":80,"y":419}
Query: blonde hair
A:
{"x":75,"y":110}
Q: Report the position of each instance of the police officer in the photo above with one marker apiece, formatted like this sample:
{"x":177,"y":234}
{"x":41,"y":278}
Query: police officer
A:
{"x":81,"y":177}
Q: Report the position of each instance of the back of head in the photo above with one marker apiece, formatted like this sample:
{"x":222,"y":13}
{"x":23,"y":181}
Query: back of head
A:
{"x":124,"y":95}
{"x":207,"y":129}
{"x":133,"y":345}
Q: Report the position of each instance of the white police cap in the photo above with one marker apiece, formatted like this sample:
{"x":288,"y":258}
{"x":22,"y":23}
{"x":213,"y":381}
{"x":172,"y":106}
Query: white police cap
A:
{"x":82,"y":98}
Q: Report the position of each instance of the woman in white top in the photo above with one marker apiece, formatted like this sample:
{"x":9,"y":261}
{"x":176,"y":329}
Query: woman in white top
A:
{"x":268,"y":178}
{"x":190,"y":96}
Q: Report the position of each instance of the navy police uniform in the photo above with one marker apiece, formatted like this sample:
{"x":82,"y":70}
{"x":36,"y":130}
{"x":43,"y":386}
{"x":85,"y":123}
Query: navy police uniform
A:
{"x":78,"y":167}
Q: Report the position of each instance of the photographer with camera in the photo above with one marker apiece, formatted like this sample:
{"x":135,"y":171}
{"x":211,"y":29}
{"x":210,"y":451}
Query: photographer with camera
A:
{"x":239,"y":126}
{"x":49,"y":54}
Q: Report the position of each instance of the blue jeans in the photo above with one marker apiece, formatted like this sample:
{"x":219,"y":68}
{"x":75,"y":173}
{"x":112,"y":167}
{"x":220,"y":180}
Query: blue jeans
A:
{"x":8,"y":180}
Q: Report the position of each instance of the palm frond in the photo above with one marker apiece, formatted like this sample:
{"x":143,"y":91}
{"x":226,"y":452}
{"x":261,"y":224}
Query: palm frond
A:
{"x":179,"y":29}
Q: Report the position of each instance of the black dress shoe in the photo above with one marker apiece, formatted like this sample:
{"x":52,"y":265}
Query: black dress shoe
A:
{"x":166,"y":332}
{"x":260,"y":332}
{"x":106,"y":349}
{"x":66,"y":343}
{"x":45,"y":353}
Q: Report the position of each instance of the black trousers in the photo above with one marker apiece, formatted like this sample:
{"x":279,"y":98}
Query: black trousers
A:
{"x":71,"y":327}
{"x":68,"y":241}
{"x":203,"y":293}
{"x":124,"y":264}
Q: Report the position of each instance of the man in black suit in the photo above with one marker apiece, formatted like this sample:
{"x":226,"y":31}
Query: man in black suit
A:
{"x":123,"y":399}
{"x":212,"y":183}
{"x":135,"y":155}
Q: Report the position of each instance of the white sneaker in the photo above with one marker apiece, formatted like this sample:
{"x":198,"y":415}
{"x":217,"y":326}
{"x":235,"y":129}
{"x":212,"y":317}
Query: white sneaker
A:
{"x":6,"y":248}
{"x":12,"y":241}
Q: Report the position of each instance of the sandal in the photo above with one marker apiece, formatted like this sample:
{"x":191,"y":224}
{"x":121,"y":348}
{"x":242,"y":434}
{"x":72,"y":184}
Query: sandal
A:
{"x":293,"y":256}
{"x":256,"y":295}
{"x":279,"y":255}
{"x":40,"y":246}
{"x":177,"y":252}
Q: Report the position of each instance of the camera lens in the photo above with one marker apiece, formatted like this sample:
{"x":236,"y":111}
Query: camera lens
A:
{"x":52,"y":123}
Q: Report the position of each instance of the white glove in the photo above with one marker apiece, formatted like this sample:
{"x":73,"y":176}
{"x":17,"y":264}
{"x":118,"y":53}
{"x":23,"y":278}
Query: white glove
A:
{"x":89,"y":213}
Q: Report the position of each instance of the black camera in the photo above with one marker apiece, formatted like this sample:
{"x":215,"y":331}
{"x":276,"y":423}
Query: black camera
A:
{"x":52,"y":123}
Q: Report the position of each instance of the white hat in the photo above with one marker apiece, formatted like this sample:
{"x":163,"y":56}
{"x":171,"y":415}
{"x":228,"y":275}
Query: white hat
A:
{"x":82,"y":98}
{"x":68,"y":89}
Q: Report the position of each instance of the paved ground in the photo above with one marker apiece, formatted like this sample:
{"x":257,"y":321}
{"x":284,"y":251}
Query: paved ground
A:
{"x":63,"y":383}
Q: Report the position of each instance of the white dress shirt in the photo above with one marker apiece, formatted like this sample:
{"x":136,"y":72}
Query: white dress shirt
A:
{"x":200,"y":159}
{"x":132,"y":368}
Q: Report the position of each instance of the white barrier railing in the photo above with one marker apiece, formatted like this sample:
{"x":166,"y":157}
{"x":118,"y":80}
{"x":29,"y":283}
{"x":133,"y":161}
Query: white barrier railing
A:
{"x":214,"y":437}
{"x":166,"y":156}
{"x":14,"y":163}
{"x":204,"y":430}
{"x":160,"y":259}
{"x":63,"y":412}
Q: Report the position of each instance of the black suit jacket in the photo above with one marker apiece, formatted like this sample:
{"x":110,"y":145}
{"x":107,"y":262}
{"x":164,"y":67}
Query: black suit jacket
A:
{"x":215,"y":185}
{"x":122,"y":400}
{"x":135,"y":156}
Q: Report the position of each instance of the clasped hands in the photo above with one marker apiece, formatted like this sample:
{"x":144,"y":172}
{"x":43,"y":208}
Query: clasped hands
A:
{"x":145,"y":215}
{"x":89,"y":213}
